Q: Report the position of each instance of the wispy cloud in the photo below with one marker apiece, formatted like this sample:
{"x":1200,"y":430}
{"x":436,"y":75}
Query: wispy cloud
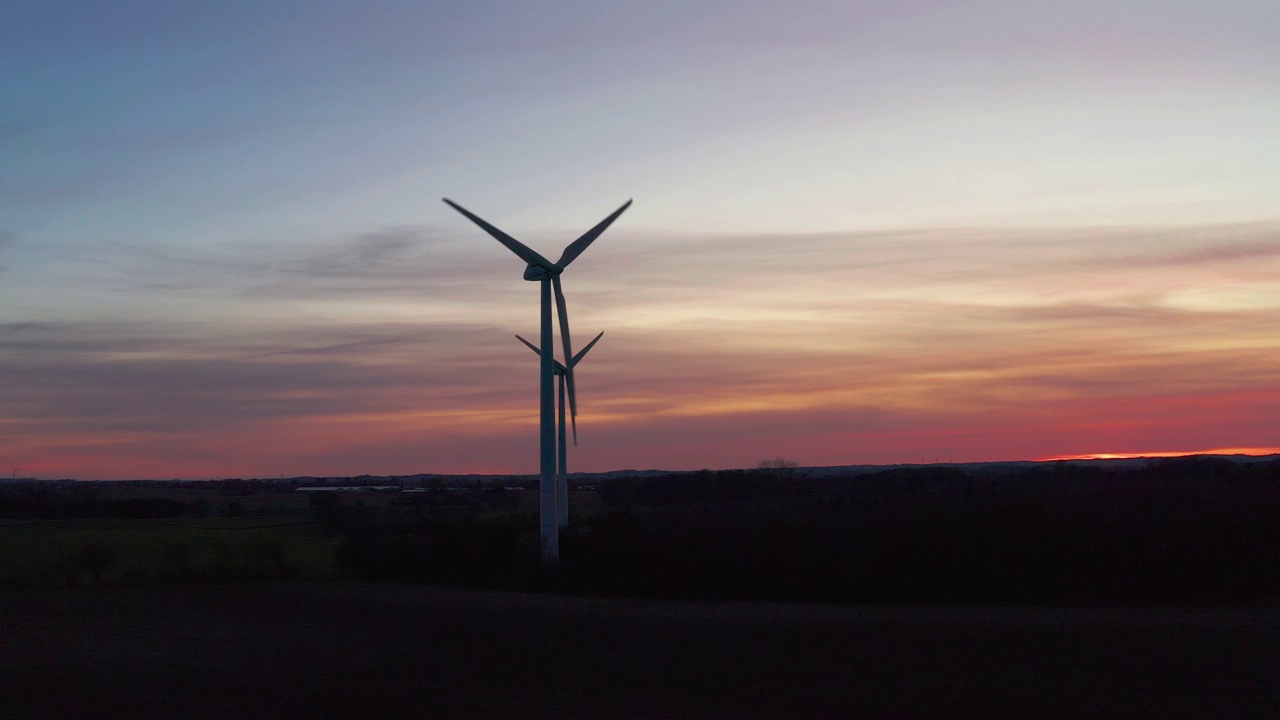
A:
{"x":832,"y":348}
{"x":384,"y":261}
{"x":158,"y":377}
{"x":6,"y":241}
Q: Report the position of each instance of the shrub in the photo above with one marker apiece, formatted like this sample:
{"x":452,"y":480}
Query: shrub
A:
{"x":95,"y":557}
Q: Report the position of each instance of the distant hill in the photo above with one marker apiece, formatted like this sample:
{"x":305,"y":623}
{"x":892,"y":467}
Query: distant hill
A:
{"x":817,"y":471}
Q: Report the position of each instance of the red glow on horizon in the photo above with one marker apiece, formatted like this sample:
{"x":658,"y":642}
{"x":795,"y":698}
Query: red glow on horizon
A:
{"x":1254,"y":451}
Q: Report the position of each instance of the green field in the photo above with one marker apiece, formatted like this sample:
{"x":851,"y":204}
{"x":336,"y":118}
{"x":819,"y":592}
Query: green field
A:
{"x":228,"y":537}
{"x":50,"y":552}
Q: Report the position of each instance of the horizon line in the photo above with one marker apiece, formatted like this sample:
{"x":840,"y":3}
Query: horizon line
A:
{"x":1230,"y":451}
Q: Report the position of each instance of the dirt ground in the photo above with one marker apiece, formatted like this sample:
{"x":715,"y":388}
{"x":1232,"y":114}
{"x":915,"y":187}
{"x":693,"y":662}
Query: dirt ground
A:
{"x":381,"y":651}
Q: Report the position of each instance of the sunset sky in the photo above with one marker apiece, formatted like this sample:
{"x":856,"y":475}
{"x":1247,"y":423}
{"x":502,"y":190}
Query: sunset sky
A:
{"x":863,"y":232}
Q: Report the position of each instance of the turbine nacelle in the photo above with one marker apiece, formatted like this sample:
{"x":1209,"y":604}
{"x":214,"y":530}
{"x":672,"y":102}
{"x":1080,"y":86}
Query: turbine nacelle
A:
{"x":540,"y":268}
{"x":538,"y":273}
{"x":557,"y":366}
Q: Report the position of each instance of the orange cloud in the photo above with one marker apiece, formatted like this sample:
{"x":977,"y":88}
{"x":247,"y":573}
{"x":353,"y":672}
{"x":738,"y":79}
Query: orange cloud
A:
{"x":832,"y":349}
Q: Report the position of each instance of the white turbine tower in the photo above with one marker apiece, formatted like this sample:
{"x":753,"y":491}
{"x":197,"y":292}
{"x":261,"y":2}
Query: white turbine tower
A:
{"x":548,"y":273}
{"x":562,"y":468}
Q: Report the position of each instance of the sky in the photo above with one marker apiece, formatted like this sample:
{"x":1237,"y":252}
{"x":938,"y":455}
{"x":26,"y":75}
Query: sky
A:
{"x":862,"y":232}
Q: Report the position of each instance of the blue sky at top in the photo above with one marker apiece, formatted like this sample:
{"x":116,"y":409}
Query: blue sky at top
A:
{"x":213,"y":177}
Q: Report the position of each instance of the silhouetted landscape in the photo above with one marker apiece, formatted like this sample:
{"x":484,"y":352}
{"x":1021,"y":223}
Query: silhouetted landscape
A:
{"x":296,"y":301}
{"x":1059,"y":587}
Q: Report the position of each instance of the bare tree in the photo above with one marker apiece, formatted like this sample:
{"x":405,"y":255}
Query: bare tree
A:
{"x":778,"y":467}
{"x":95,"y":557}
{"x":778,"y":463}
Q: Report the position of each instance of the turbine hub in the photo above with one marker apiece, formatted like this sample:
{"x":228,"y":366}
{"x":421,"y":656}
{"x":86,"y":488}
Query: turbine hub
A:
{"x":537,"y":272}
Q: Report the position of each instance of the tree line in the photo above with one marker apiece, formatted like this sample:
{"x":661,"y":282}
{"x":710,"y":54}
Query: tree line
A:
{"x":1198,"y":530}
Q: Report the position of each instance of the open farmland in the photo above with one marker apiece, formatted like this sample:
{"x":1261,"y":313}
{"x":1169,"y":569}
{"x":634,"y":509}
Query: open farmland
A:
{"x":350,"y":651}
{"x":42,"y":553}
{"x":1054,"y":590}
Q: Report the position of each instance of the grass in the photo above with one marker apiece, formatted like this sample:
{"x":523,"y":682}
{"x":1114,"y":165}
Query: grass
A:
{"x":44,"y":553}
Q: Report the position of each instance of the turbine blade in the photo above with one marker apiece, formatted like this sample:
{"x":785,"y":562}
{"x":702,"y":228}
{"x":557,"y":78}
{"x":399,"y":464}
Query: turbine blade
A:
{"x":576,"y":247}
{"x":531,"y":346}
{"x":525,"y":252}
{"x":563,"y":313}
{"x":538,"y":352}
{"x":573,"y":405}
{"x":583,"y":352}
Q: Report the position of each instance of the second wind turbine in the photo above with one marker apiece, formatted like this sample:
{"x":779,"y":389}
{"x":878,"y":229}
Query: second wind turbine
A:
{"x":562,"y":469}
{"x":548,"y":274}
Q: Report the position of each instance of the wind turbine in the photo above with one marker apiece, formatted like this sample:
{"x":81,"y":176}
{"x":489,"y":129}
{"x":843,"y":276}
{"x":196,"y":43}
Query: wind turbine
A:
{"x":548,"y":273}
{"x":562,"y":468}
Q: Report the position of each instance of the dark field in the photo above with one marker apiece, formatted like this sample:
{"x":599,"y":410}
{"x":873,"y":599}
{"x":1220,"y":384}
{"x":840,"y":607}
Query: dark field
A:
{"x":1197,"y":531}
{"x":944,"y":590}
{"x":313,"y":650}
